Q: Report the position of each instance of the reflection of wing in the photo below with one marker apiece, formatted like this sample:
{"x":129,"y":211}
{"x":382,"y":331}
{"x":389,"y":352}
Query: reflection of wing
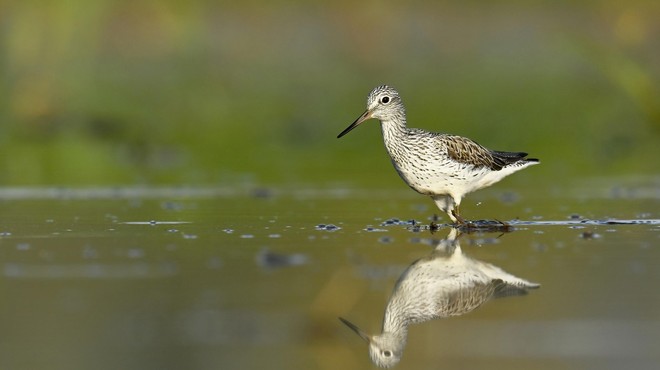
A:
{"x":507,"y":290}
{"x":497,"y":273}
{"x":466,"y":299}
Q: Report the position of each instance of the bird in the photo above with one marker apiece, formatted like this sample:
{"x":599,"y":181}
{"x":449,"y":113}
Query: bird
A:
{"x":443,"y":166}
{"x":443,"y":284}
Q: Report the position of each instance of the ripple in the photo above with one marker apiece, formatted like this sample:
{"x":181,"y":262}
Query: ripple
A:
{"x":327,"y":227}
{"x":398,"y":222}
{"x":89,"y":270}
{"x":154,"y":222}
{"x":582,"y":222}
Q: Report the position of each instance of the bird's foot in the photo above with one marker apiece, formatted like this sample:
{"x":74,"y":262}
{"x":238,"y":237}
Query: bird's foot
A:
{"x":502,"y":223}
{"x":484,"y":226}
{"x":459,"y":221}
{"x":503,"y":226}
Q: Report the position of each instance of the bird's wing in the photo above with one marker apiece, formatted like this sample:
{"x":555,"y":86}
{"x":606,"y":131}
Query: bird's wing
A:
{"x":464,"y":150}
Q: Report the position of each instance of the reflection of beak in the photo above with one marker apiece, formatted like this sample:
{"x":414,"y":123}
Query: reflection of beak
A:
{"x":365,"y":116}
{"x":357,"y":330}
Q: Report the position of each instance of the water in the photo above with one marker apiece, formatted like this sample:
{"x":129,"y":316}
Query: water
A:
{"x":225,"y":278}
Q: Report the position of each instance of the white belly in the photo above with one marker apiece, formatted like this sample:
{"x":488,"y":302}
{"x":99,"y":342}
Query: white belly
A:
{"x":446,"y":177}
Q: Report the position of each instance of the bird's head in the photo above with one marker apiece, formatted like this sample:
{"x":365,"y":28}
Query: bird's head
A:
{"x":383,"y":103}
{"x":385,"y":350}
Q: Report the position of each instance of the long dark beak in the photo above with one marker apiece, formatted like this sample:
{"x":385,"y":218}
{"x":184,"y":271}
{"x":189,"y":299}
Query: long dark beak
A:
{"x":365,"y":116}
{"x":357,"y":330}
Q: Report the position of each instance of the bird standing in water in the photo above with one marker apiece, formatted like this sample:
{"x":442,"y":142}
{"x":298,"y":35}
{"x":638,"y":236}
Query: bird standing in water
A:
{"x":444,"y":167}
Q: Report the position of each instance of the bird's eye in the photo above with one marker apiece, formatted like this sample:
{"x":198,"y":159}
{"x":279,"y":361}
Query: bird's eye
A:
{"x":387,"y":353}
{"x":385,"y":99}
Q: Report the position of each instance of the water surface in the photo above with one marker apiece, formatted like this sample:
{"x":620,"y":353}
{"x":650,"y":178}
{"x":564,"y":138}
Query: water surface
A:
{"x":225,"y":278}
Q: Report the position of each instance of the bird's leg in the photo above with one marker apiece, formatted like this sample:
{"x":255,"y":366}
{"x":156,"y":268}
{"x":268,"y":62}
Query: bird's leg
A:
{"x":460,"y":221}
{"x":449,"y":204}
{"x":502,"y":223}
{"x":457,"y":216}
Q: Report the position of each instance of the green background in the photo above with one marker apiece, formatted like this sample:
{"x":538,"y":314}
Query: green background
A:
{"x":207,"y":93}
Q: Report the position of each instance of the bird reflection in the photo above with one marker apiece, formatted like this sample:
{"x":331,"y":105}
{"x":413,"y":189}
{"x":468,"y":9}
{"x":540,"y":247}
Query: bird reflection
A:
{"x":446,"y":283}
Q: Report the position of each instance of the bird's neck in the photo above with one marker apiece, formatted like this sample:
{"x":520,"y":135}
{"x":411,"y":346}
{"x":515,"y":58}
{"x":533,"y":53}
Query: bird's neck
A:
{"x":396,"y":324}
{"x":394,"y":127}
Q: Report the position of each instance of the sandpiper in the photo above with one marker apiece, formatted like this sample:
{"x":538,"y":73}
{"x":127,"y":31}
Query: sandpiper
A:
{"x":444,"y":167}
{"x":444,"y":284}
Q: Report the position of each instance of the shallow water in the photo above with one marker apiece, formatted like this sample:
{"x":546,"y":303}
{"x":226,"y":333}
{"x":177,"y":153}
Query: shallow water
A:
{"x":224,"y":278}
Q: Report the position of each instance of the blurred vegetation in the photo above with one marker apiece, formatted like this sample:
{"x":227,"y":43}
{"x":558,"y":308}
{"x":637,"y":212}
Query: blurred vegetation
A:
{"x":200,"y":92}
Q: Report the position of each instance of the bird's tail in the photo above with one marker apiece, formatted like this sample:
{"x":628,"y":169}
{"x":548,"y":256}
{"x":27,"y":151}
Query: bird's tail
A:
{"x":506,"y":158}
